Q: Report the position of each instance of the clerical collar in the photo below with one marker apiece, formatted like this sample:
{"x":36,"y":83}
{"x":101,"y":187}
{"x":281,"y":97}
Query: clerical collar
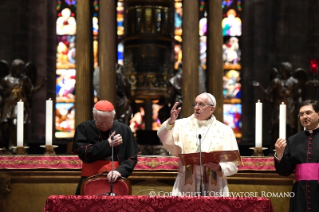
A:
{"x":311,"y":131}
{"x":206,"y":122}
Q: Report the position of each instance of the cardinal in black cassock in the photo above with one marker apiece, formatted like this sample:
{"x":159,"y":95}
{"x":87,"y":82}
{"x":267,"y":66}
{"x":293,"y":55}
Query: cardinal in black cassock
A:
{"x":93,"y":140}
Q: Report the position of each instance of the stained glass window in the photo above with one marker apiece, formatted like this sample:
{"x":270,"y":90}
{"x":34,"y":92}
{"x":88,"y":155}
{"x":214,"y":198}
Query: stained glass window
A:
{"x":65,"y":68}
{"x":232,"y":31}
{"x":120,"y":32}
{"x":66,"y":63}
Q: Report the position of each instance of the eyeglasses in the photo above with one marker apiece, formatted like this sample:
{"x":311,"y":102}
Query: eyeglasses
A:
{"x":200,"y":105}
{"x":308,"y":113}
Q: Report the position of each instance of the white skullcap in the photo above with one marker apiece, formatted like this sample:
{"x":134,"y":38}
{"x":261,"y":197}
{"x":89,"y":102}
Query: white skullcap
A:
{"x":212,"y":98}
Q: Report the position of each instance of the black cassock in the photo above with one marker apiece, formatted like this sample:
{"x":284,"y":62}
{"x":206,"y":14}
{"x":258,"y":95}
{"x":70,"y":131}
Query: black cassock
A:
{"x":90,"y":147}
{"x":301,"y":148}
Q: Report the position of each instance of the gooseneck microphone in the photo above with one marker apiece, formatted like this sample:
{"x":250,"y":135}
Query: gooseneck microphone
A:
{"x":111,"y":184}
{"x":200,"y":165}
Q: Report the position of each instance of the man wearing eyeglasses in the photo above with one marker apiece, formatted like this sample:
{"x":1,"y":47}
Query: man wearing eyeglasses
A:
{"x":182,"y":136}
{"x":300,"y":155}
{"x":93,"y":141}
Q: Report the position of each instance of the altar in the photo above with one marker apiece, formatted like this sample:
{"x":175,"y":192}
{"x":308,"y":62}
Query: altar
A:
{"x":33,"y":179}
{"x":149,"y":203}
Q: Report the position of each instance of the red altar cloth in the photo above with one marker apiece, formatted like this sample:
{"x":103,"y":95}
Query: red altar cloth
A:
{"x":147,"y":203}
{"x":151,"y":163}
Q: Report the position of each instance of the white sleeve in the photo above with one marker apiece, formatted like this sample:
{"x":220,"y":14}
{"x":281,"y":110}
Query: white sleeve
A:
{"x":165,"y":133}
{"x":229,"y":168}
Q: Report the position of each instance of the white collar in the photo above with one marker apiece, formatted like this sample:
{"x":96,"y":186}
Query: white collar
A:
{"x":204,"y":122}
{"x":311,"y":131}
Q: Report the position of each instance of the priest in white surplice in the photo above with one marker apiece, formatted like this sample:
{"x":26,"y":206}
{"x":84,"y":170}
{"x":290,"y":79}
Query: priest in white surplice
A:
{"x":181,"y":136}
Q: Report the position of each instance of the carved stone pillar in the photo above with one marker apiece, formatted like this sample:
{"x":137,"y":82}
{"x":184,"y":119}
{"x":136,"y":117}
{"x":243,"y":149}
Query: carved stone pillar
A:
{"x":107,"y":50}
{"x":190,"y":85}
{"x":215,"y":55}
{"x":84,"y":63}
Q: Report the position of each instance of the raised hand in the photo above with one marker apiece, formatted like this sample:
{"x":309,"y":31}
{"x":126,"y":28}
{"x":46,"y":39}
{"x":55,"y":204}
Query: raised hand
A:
{"x":280,"y":146}
{"x":174,"y":113}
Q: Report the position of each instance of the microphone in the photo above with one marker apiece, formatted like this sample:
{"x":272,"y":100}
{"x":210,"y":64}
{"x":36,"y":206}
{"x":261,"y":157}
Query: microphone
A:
{"x":111,"y":184}
{"x":200,"y":165}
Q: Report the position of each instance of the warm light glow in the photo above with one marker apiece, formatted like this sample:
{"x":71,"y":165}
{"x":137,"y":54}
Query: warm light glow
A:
{"x":313,"y":65}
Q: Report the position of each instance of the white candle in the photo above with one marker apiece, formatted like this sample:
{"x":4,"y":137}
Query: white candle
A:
{"x":259,"y":118}
{"x":48,"y":122}
{"x":282,"y":121}
{"x":20,"y":123}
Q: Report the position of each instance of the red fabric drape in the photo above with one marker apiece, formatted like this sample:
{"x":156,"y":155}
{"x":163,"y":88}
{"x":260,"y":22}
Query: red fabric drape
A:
{"x":147,"y":203}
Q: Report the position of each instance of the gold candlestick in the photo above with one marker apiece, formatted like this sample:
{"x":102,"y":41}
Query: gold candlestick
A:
{"x":20,"y":150}
{"x":49,"y":149}
{"x":258,"y":151}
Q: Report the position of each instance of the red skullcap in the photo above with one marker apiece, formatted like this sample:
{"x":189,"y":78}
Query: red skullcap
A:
{"x":104,"y":105}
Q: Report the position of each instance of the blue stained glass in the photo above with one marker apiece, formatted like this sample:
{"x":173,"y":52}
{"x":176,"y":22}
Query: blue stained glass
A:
{"x":70,"y":2}
{"x":226,"y":3}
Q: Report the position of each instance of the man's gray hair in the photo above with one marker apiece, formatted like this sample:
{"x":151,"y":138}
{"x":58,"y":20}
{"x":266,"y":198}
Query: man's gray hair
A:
{"x":211,"y":99}
{"x":95,"y":111}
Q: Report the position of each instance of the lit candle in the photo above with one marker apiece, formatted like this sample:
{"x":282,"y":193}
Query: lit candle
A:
{"x":48,"y":122}
{"x":282,"y":121}
{"x":20,"y":123}
{"x":259,"y":118}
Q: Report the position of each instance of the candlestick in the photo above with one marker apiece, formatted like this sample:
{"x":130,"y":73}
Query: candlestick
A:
{"x":20,"y":150}
{"x":258,"y":133}
{"x":20,"y":123}
{"x":48,"y":122}
{"x":258,"y":151}
{"x":49,"y":149}
{"x":282,"y":121}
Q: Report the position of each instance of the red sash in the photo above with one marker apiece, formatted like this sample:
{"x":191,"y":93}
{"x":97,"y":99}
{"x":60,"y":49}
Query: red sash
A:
{"x":90,"y":169}
{"x":307,"y":171}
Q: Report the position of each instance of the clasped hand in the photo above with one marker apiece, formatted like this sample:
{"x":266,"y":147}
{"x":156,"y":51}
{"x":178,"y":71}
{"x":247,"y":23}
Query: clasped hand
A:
{"x":117,"y":139}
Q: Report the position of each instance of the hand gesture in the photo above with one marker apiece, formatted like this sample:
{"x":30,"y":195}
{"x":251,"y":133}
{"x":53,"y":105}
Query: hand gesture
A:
{"x":117,"y":139}
{"x":174,"y":113}
{"x":280,"y":146}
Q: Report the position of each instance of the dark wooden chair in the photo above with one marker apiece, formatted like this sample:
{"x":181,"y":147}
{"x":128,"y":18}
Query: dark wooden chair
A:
{"x":99,"y":185}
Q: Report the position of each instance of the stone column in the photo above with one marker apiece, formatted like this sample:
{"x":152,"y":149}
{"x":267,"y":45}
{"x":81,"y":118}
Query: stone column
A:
{"x":84,"y":63}
{"x":258,"y":57}
{"x":190,"y":85}
{"x":107,"y":50}
{"x":214,"y":55}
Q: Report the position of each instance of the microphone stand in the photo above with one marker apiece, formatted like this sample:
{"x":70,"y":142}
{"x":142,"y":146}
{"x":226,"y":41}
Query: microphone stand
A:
{"x":200,"y":164}
{"x":111,"y":184}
